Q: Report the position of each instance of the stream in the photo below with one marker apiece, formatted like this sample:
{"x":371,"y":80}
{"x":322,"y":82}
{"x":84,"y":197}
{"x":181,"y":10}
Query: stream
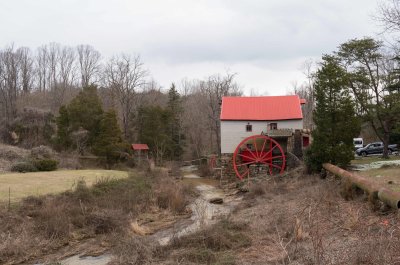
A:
{"x":375,"y":165}
{"x":204,"y":213}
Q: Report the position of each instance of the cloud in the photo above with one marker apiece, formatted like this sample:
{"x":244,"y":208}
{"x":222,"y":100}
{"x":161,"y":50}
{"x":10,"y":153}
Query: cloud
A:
{"x":260,"y":39}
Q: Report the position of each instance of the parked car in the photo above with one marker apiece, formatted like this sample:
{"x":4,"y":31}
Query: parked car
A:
{"x":375,"y":148}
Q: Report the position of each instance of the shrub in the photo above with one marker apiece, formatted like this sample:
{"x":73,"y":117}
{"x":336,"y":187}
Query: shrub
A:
{"x":210,"y":246}
{"x":42,"y":152}
{"x":24,"y":167}
{"x":171,"y":196}
{"x":46,"y":164}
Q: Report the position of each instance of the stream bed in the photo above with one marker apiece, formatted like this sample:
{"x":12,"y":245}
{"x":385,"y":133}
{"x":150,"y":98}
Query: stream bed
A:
{"x":204,"y":213}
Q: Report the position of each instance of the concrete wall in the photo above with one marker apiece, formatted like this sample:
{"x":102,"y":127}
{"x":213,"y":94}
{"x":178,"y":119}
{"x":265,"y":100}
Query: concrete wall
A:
{"x":233,"y":132}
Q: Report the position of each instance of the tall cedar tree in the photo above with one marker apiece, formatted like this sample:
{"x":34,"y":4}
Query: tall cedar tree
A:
{"x":334,"y":117}
{"x":109,"y":139}
{"x":175,"y":125}
{"x":153,"y":130}
{"x":63,"y":140}
{"x":84,"y":111}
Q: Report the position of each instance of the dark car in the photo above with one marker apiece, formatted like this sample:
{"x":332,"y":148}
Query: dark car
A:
{"x":375,"y":148}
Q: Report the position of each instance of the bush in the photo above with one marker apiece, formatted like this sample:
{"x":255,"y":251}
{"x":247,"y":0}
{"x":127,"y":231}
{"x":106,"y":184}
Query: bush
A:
{"x":42,"y":152}
{"x":23,"y":167}
{"x":46,"y":164}
{"x":170,"y":195}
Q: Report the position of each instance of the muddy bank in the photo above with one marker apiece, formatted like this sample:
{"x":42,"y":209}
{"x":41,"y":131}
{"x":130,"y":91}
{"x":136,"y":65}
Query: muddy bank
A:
{"x":203,"y":214}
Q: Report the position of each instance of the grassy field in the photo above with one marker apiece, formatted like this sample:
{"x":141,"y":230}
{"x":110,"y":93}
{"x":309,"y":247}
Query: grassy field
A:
{"x":386,"y":176}
{"x":39,"y":183}
{"x":371,"y":159}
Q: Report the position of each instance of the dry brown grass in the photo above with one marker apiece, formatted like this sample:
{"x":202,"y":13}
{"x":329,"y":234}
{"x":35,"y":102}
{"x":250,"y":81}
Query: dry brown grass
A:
{"x":297,"y":219}
{"x":41,"y":225}
{"x":387,"y":175}
{"x":305,"y":220}
{"x":172,"y":195}
{"x":213,"y":245}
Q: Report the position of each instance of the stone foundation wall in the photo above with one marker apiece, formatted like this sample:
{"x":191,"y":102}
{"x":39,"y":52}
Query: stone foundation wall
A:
{"x":228,"y":173}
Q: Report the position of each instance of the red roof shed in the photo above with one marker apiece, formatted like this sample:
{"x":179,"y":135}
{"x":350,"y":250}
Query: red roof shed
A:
{"x":140,"y":147}
{"x":267,"y":108}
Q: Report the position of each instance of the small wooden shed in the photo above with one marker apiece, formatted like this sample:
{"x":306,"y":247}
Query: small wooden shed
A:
{"x":140,"y":151}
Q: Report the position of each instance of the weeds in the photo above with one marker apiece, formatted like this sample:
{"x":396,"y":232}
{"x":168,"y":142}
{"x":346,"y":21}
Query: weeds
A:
{"x":214,"y":245}
{"x":106,"y":208}
{"x":172,"y":196}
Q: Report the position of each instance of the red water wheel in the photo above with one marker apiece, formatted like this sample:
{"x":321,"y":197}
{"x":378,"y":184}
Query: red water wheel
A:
{"x":259,"y":150}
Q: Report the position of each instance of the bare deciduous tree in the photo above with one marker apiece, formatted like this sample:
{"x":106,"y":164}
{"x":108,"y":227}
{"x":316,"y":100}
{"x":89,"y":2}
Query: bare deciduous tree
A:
{"x":214,"y":88}
{"x":9,"y":73}
{"x":89,"y":64}
{"x":27,"y":73}
{"x":41,"y":68}
{"x":65,"y":75}
{"x":124,"y":75}
{"x":389,"y":15}
{"x":306,"y":91}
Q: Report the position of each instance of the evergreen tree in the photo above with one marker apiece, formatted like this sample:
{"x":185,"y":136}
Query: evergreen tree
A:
{"x":154,"y":131}
{"x":334,"y":117}
{"x":175,"y":123}
{"x":109,"y":139}
{"x":83,"y":112}
{"x":63,"y":139}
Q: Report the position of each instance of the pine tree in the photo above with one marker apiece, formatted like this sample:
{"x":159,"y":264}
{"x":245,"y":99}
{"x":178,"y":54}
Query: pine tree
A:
{"x":175,"y":125}
{"x":153,"y":123}
{"x":63,"y":140}
{"x":109,"y":139}
{"x":85,"y":111}
{"x":334,"y":117}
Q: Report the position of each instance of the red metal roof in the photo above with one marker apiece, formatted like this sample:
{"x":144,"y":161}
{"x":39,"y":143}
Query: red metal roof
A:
{"x":269,"y":108}
{"x":140,"y":147}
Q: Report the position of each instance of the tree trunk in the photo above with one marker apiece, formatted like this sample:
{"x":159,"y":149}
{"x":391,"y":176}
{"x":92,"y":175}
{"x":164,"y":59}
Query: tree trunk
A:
{"x":385,"y":140}
{"x":385,"y":145}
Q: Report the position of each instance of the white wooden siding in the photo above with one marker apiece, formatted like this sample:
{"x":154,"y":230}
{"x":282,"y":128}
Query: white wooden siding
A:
{"x":233,"y":132}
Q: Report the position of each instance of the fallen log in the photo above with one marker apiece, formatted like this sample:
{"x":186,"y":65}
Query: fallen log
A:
{"x":389,"y":197}
{"x":360,"y":182}
{"x":376,"y":191}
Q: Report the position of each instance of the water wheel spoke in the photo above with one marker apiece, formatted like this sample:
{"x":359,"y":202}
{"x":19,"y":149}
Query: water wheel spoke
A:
{"x":263,"y":146}
{"x":255,"y":147}
{"x":244,"y":164}
{"x":248,"y":157}
{"x":268,"y":153}
{"x":251,"y":152}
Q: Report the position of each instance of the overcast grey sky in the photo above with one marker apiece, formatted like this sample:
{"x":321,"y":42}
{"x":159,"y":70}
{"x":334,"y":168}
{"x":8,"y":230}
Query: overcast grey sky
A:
{"x":264,"y":41}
